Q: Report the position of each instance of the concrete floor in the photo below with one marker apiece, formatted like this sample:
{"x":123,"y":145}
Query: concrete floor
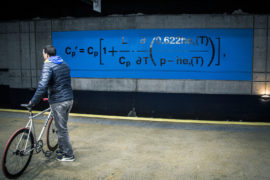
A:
{"x":119,"y":149}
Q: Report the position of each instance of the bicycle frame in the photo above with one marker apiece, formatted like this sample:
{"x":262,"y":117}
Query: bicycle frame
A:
{"x":31,"y":127}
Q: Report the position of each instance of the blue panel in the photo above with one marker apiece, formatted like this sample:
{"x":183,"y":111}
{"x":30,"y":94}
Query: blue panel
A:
{"x":212,"y":54}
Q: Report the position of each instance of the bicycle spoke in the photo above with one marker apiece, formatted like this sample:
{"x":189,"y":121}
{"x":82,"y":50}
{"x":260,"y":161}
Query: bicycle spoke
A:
{"x":52,"y":136}
{"x":18,"y":153}
{"x":13,"y":155}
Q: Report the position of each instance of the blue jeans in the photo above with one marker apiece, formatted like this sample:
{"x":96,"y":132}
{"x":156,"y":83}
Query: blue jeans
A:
{"x":60,"y":114}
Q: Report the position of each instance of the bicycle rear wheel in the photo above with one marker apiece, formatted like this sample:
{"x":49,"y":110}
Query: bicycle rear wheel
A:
{"x":52,"y":136}
{"x":18,"y":153}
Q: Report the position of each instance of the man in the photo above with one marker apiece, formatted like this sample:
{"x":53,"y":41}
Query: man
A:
{"x":55,"y":79}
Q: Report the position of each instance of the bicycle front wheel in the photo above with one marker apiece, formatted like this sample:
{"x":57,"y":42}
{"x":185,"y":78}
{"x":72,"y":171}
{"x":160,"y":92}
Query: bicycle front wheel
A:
{"x":18,"y":153}
{"x":52,"y":136}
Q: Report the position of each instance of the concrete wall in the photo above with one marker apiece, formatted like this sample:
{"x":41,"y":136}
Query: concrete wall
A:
{"x":21,"y":59}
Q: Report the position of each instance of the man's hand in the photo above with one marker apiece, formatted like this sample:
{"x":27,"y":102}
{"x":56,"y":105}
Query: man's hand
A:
{"x":30,"y":104}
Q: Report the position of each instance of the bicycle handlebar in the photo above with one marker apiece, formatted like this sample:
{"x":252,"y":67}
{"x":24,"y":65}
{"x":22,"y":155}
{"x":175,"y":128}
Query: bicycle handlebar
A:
{"x":29,"y":106}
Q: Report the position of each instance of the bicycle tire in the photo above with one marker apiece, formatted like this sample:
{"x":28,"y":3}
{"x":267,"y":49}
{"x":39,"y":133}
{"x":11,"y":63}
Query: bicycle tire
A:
{"x":13,"y":156}
{"x":52,"y":136}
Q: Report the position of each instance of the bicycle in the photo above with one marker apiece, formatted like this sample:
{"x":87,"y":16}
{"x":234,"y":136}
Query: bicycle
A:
{"x":23,"y":142}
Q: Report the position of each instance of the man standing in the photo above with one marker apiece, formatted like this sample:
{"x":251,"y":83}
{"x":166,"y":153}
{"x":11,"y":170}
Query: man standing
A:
{"x":55,"y":79}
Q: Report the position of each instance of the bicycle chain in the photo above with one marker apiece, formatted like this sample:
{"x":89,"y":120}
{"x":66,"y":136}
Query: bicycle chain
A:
{"x":40,"y":148}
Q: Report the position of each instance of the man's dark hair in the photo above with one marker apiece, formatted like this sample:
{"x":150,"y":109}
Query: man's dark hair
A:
{"x":50,"y":50}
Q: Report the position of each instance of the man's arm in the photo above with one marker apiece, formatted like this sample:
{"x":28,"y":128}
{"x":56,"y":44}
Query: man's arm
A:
{"x":42,"y":85}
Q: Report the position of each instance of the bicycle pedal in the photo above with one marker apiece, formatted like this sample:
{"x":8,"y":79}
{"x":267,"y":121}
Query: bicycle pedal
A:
{"x":48,"y":153}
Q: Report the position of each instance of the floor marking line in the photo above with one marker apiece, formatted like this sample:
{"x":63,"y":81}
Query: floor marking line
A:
{"x":151,"y":119}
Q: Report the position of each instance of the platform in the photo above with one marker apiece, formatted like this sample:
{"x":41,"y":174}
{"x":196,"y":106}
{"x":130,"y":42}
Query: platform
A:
{"x":120,"y":148}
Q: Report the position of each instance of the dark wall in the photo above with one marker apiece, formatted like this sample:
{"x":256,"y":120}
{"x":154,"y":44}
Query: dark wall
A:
{"x":170,"y":105}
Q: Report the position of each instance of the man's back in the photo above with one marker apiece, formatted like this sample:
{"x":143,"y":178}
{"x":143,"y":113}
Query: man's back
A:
{"x":55,"y":79}
{"x":59,"y":87}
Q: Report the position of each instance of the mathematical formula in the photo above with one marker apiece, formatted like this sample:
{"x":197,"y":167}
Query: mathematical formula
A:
{"x":161,"y":54}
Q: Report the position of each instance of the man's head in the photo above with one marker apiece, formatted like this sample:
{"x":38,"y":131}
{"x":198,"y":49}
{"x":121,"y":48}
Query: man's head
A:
{"x":48,"y":51}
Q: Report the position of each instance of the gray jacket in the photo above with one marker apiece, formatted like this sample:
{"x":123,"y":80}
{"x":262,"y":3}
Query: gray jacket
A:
{"x":55,"y":79}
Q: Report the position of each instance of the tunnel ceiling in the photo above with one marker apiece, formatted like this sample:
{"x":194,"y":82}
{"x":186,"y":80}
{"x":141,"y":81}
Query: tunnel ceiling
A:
{"x":25,"y":10}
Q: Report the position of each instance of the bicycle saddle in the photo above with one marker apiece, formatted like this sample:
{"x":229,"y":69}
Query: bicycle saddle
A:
{"x":27,"y":106}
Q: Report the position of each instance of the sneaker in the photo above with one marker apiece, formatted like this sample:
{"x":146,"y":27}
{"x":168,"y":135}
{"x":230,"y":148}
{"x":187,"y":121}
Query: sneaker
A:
{"x":63,"y":157}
